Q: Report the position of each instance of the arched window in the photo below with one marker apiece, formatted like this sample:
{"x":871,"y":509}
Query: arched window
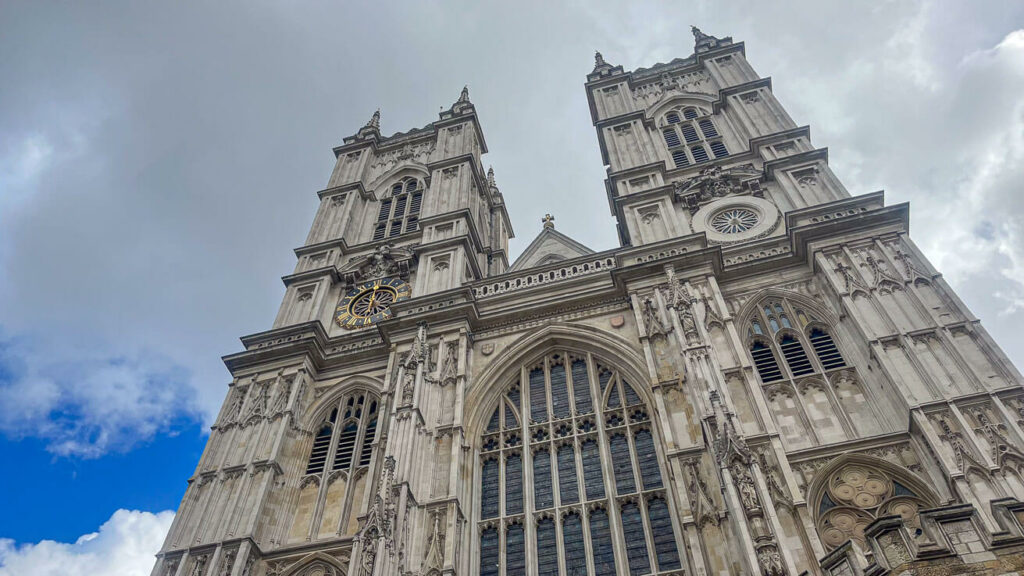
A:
{"x":790,"y":341}
{"x":578,"y":417}
{"x":399,"y":212}
{"x":694,"y":139}
{"x":338,"y":459}
{"x":855,"y":494}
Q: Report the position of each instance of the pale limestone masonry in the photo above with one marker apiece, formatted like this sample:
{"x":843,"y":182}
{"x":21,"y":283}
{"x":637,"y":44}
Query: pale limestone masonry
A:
{"x":767,"y":377}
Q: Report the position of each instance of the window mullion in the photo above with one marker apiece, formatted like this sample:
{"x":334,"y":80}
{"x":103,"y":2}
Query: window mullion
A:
{"x":353,"y":466}
{"x":529,"y":530}
{"x":652,"y":554}
{"x":321,"y":496}
{"x":614,"y":518}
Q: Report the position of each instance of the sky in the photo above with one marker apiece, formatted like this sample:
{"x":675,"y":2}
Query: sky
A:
{"x":159,"y":162}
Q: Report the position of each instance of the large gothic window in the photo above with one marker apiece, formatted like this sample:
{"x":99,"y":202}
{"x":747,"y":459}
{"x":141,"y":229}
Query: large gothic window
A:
{"x":399,"y":210}
{"x":335,"y":473}
{"x":578,"y":435}
{"x":691,"y":136}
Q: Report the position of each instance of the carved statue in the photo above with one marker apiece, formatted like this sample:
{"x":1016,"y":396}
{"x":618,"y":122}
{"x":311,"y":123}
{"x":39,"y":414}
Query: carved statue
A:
{"x":408,"y":388}
{"x":771,"y":561}
{"x":745,"y":486}
{"x":381,"y":263}
{"x":228,"y":562}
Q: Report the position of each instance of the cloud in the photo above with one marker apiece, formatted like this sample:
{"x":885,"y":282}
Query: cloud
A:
{"x":86,"y":406}
{"x":125,"y":545}
{"x":158,"y":162}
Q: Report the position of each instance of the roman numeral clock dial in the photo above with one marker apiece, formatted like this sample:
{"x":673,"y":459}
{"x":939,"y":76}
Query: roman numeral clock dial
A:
{"x":370,"y":302}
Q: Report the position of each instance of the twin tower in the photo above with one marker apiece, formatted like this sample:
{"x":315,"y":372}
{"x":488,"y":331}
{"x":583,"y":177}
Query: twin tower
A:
{"x":765,"y":378}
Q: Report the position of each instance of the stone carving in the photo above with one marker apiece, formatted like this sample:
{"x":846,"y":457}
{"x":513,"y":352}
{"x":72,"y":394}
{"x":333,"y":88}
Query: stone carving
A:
{"x":667,"y":84}
{"x":882,"y":279}
{"x":381,"y":263}
{"x":910,"y":271}
{"x":234,"y":409}
{"x":750,"y":97}
{"x":995,"y":435}
{"x":408,"y":388}
{"x":380,"y":520}
{"x":652,"y":322}
{"x":199,"y":565}
{"x":851,"y":282}
{"x":771,"y":561}
{"x":408,"y":153}
{"x":258,"y":403}
{"x":227,"y":562}
{"x":434,"y":559}
{"x":171,"y":566}
{"x":284,"y":391}
{"x":703,"y":506}
{"x":450,"y":368}
{"x":745,"y":487}
{"x":962,"y":455}
{"x":713,"y":182}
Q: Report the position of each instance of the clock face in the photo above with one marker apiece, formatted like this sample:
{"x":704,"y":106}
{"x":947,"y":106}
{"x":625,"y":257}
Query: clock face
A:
{"x":370,"y":302}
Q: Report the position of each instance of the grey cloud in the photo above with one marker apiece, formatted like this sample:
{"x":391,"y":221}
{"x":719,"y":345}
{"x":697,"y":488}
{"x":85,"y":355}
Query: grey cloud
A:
{"x":158,"y":162}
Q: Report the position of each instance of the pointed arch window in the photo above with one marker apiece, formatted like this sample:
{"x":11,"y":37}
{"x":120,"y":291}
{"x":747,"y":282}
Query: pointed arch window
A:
{"x":791,"y":342}
{"x":341,"y":452}
{"x":693,"y":139}
{"x":583,"y":418}
{"x":399,"y":213}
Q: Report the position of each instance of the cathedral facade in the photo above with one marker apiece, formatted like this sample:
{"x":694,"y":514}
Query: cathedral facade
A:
{"x":767,"y":377}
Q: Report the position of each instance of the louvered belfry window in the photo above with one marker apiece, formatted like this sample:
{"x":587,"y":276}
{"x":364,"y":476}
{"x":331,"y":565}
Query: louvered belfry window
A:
{"x":399,"y":211}
{"x":774,"y":334}
{"x":691,"y":137}
{"x":344,"y":444}
{"x":547,"y":433}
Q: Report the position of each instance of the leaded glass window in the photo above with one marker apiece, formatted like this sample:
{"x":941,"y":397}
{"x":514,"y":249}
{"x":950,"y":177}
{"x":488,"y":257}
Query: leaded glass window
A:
{"x":587,"y":424}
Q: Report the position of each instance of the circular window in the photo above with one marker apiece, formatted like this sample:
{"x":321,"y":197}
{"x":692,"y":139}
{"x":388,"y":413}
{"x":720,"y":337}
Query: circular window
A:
{"x":734,"y":220}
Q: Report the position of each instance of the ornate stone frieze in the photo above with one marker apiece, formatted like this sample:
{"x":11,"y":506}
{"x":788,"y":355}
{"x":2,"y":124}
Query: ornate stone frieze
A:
{"x":713,"y":182}
{"x":668,"y":84}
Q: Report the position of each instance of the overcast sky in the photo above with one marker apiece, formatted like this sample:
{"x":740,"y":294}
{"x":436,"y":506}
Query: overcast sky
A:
{"x":159,"y":162}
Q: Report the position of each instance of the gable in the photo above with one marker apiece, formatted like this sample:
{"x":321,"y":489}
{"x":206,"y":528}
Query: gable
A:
{"x":549,"y":246}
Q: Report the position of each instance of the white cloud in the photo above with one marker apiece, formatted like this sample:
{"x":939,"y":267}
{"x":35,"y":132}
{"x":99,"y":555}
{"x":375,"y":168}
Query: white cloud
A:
{"x":125,"y":545}
{"x":86,"y":406}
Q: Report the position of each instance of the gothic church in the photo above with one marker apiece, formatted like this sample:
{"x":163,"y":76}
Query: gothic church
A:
{"x":765,"y":378}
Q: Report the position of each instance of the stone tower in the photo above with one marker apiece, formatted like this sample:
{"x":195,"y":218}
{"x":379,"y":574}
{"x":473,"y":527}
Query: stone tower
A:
{"x":767,"y":377}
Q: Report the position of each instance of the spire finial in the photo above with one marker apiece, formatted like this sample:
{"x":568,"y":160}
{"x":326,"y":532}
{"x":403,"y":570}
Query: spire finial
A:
{"x":549,"y":221}
{"x":490,"y":177}
{"x":464,"y":96}
{"x":374,"y":120}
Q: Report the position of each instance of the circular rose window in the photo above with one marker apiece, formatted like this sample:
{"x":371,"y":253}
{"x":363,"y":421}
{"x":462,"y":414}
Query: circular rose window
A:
{"x":734,"y":220}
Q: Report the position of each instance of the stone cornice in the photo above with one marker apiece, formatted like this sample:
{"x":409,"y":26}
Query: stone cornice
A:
{"x":544,"y":291}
